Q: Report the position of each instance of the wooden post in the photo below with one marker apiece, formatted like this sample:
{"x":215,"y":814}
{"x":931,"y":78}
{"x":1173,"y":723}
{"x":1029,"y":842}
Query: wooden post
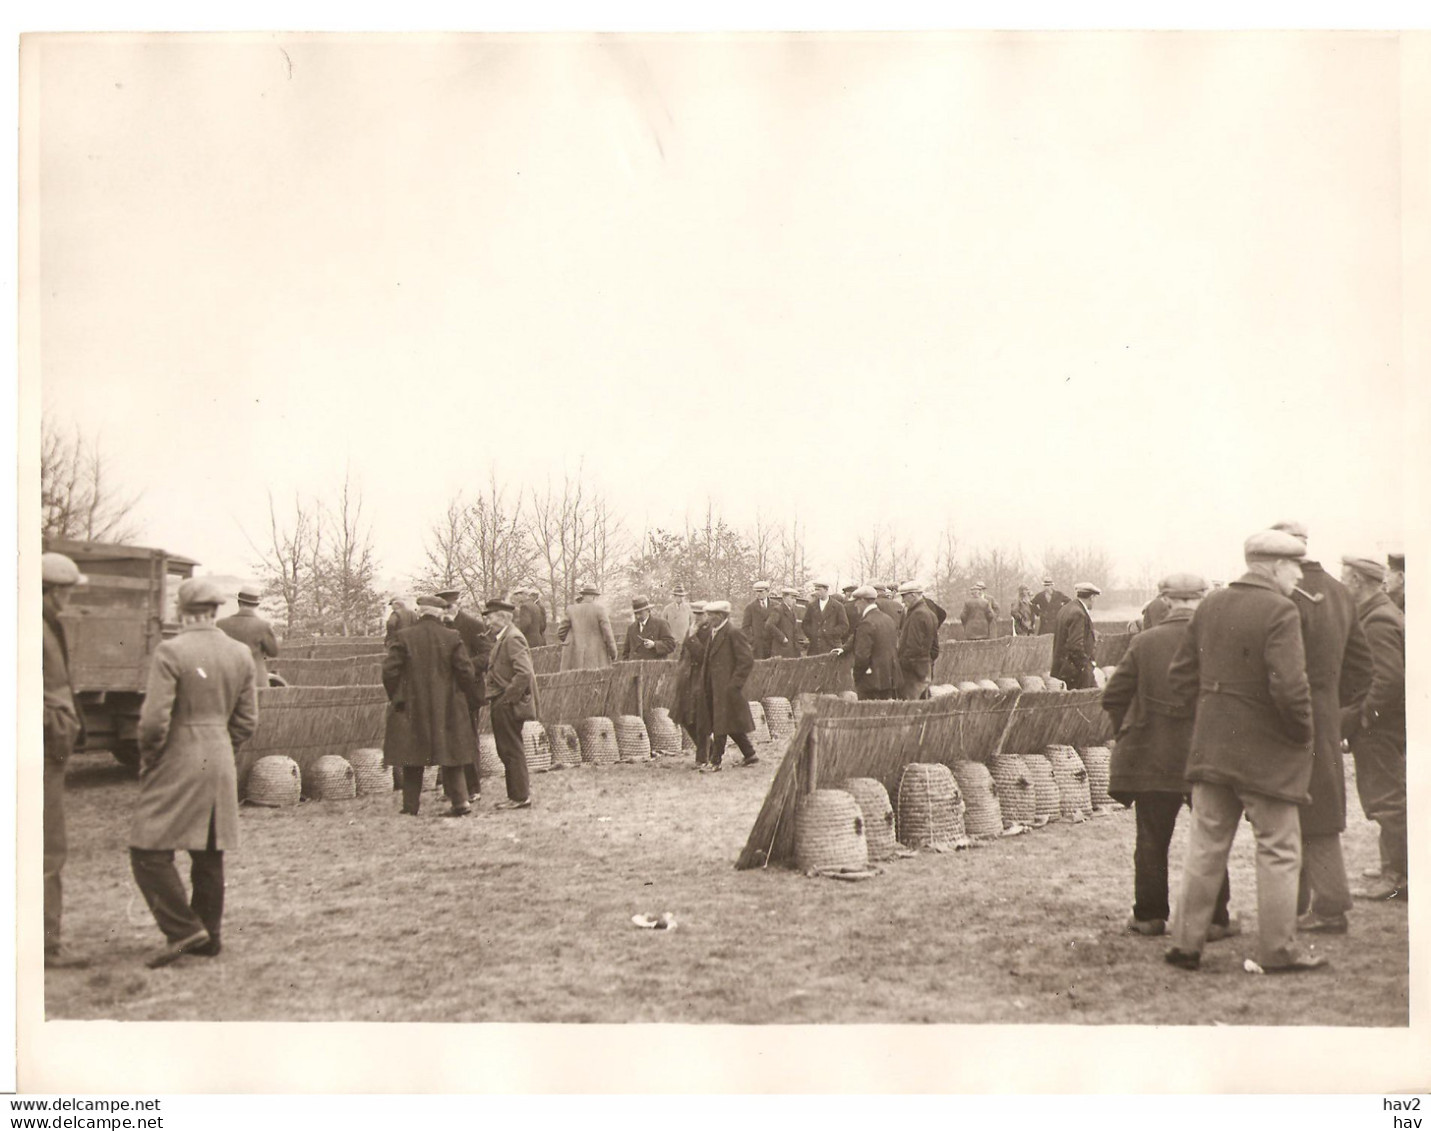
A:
{"x":811,"y":764}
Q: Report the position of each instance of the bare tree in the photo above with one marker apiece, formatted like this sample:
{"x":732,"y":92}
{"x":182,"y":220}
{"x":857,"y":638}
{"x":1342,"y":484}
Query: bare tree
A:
{"x":77,"y":497}
{"x":283,"y":561}
{"x":764,"y":541}
{"x":350,"y":566}
{"x":1070,"y":564}
{"x":793,"y":567}
{"x":558,"y":530}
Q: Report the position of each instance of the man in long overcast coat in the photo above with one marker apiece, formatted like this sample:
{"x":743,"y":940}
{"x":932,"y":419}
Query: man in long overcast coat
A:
{"x":1074,"y":640}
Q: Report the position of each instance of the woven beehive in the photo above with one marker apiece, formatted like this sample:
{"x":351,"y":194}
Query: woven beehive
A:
{"x":987,"y":685}
{"x":1015,"y":788}
{"x":274,"y":781}
{"x":940,"y":690}
{"x":779,"y":718}
{"x":369,"y":773}
{"x":537,"y":746}
{"x":330,"y":778}
{"x":566,"y":747}
{"x":665,"y":735}
{"x":1046,"y":797}
{"x":633,"y":744}
{"x":1097,"y":760}
{"x":931,"y":812}
{"x":1072,"y":781}
{"x":488,"y":764}
{"x":982,"y":814}
{"x":878,"y":813}
{"x":849,"y":696}
{"x":1008,"y":683}
{"x":598,"y":741}
{"x":757,"y":715}
{"x":830,"y":832}
{"x":1030,"y":683}
{"x":1053,"y":683}
{"x":966,"y":685}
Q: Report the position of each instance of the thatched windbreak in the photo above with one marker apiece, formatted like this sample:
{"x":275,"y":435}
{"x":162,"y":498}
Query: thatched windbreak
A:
{"x":305,"y":723}
{"x":332,"y":647}
{"x":961,"y":660}
{"x":546,"y":658}
{"x":876,"y":739}
{"x":569,"y":697}
{"x":343,"y":672}
{"x":1108,"y":649}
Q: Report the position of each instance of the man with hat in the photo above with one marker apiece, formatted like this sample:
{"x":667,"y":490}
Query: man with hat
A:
{"x":888,"y":603}
{"x":752,"y":622}
{"x":1149,"y":765}
{"x":686,"y":711}
{"x":1396,"y":580}
{"x":63,"y":734}
{"x":825,"y":623}
{"x":1339,"y":670}
{"x":647,"y":637}
{"x":1046,"y":604}
{"x":473,"y":631}
{"x":724,"y":710}
{"x":513,"y":695}
{"x":400,"y":618}
{"x":1241,"y":669}
{"x":1153,"y":612}
{"x":247,"y":627}
{"x":1376,"y":728}
{"x":200,"y":706}
{"x":677,"y":614}
{"x":1074,"y":640}
{"x":586,"y":635}
{"x":432,"y":695}
{"x":531,"y":618}
{"x":780,"y":624}
{"x":1025,"y":620}
{"x":977,"y":616}
{"x":875,"y":650}
{"x":918,"y":643}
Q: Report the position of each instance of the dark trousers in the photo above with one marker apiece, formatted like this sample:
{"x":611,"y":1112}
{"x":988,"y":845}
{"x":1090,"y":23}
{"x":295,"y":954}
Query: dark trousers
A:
{"x":1380,"y":757}
{"x":742,"y":742}
{"x":1157,"y":815}
{"x":702,"y":744}
{"x":56,"y":848}
{"x":507,"y":730}
{"x":181,"y":916}
{"x":469,"y":770}
{"x":454,"y":784}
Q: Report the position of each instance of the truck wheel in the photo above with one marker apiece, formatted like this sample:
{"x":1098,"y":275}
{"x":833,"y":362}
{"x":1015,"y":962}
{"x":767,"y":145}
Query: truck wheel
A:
{"x":126,"y":753}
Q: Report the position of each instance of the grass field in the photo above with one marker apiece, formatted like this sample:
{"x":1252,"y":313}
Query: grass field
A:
{"x":345,"y":911}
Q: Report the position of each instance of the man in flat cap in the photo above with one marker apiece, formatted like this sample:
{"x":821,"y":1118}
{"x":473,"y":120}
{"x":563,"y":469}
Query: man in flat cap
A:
{"x":977,"y":616}
{"x":399,"y":618}
{"x":63,"y":734}
{"x":432,"y":695}
{"x":513,"y":694}
{"x":780,"y":625}
{"x":889,"y":604}
{"x":686,"y":711}
{"x":585,"y":632}
{"x":1339,"y":672}
{"x":1046,"y":604}
{"x":1396,"y":580}
{"x":247,"y":627}
{"x":918,"y":642}
{"x":825,"y":624}
{"x":1074,"y":640}
{"x":677,"y":613}
{"x":648,"y":637}
{"x":1241,"y":668}
{"x":724,"y":710}
{"x":875,"y":651}
{"x":473,"y":630}
{"x":1149,"y":768}
{"x":1376,"y":728}
{"x":200,"y":706}
{"x":752,"y":621}
{"x":531,"y":618}
{"x":1154,"y":612}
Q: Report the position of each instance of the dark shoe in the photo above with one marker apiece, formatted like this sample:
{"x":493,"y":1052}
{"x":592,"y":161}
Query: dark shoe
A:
{"x":509,"y":804}
{"x":177,"y":949}
{"x":1216,"y":932}
{"x":408,"y":812}
{"x":62,"y":959}
{"x":1327,"y":925}
{"x":458,"y":812}
{"x":1300,"y":964}
{"x":1390,"y":887}
{"x":1182,"y":959}
{"x":750,"y":761}
{"x":210,"y":949}
{"x":1149,"y":927}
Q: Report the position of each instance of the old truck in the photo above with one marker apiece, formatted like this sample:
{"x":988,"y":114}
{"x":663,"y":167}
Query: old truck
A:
{"x":112,"y":626}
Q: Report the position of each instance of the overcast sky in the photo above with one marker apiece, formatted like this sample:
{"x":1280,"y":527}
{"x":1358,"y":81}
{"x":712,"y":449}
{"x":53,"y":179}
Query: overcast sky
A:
{"x":1136,"y":291}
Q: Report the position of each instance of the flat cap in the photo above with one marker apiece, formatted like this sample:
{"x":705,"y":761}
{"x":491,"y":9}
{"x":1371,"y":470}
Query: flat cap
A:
{"x":1270,"y":545}
{"x":248,"y":595}
{"x":433,"y":602}
{"x":448,"y":595}
{"x":1396,"y":562}
{"x":1367,"y":567}
{"x":718,"y":607}
{"x":1183,"y":586}
{"x":910,"y":587}
{"x":1086,"y":588}
{"x":698,"y":606}
{"x":847,"y":588}
{"x":821,"y":584}
{"x":590,"y":591}
{"x":980,"y":585}
{"x":640,"y":604}
{"x":864,"y":593}
{"x":789,"y":591}
{"x":1295,"y":529}
{"x":761,"y":585}
{"x":1048,"y":581}
{"x":57,"y":569}
{"x":497,"y":605}
{"x":199,"y":593}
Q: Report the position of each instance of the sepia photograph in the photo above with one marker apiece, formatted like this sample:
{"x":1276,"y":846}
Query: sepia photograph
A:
{"x":750,"y":533}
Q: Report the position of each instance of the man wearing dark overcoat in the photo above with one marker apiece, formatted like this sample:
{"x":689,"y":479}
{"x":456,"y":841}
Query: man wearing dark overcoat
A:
{"x":725,"y":712}
{"x":1154,"y":612}
{"x":1046,"y":604}
{"x":63,"y":732}
{"x":825,"y":623}
{"x":531,"y":619}
{"x":977,"y":616}
{"x":1242,"y":669}
{"x":1023,"y":615}
{"x":781,"y":625}
{"x":875,"y":650}
{"x":1338,"y":673}
{"x":752,"y":621}
{"x":200,"y":706}
{"x":889,"y":604}
{"x":512,"y":687}
{"x":432,"y":695}
{"x":400,"y":618}
{"x":474,"y":635}
{"x":1376,"y":728}
{"x":1149,"y":764}
{"x":1074,"y":640}
{"x":685,"y":711}
{"x":918,"y":642}
{"x":247,"y":627}
{"x":648,"y":637}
